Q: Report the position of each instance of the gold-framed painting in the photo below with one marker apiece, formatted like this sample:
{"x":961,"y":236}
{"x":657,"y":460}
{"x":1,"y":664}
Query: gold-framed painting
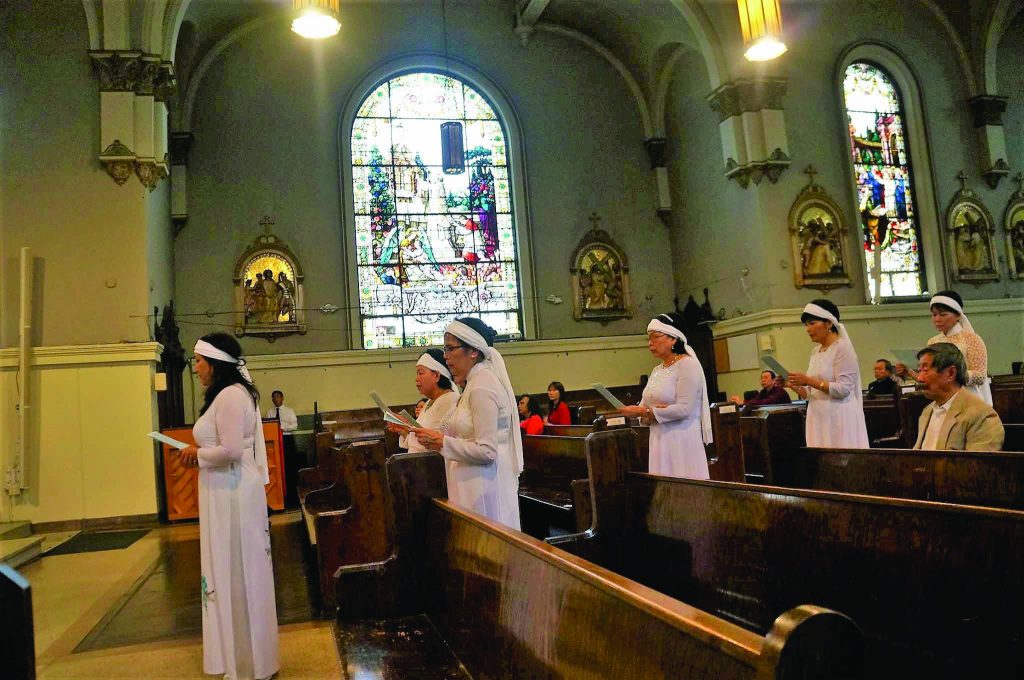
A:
{"x":600,"y":279}
{"x":970,"y":231}
{"x":269,"y":290}
{"x":818,"y":237}
{"x":1013,"y":224}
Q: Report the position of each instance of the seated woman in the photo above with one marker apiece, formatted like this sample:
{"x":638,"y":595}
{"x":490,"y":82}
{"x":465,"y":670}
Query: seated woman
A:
{"x":434,"y":381}
{"x":558,"y":411}
{"x":420,"y":405}
{"x":529,"y":415}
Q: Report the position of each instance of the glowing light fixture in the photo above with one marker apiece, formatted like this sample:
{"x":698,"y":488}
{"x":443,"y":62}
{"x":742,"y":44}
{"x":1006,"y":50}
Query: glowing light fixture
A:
{"x":316,"y":19}
{"x":761,"y":23}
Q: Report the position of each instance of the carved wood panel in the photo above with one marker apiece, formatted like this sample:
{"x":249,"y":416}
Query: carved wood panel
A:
{"x":181,"y":484}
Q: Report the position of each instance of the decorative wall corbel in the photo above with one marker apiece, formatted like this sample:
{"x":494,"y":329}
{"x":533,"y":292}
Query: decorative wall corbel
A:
{"x":118,"y":160}
{"x":751,"y":121}
{"x":987,"y":111}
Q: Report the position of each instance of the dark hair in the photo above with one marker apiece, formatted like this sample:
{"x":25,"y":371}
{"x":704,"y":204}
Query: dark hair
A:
{"x":675,"y":319}
{"x":561,"y":394}
{"x":480,"y":327}
{"x":769,"y":372}
{"x":438,"y":356}
{"x":829,"y":307}
{"x":225,"y":374}
{"x":275,"y":393}
{"x":944,"y":355}
{"x":424,"y":400}
{"x":946,"y":308}
{"x":532,"y":407}
{"x":888,"y":364}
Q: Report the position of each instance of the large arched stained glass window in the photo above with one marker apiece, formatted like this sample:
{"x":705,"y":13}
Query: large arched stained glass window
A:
{"x":881,"y":166}
{"x":431,"y":246}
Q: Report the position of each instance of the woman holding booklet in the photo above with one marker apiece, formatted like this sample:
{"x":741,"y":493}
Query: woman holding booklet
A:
{"x":434,"y":381}
{"x":675,"y":403}
{"x":479,"y":438}
{"x":831,"y":386}
{"x":237,"y":584}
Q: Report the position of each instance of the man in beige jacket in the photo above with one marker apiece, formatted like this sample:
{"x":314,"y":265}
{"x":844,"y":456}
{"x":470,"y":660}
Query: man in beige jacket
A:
{"x":956,"y":419}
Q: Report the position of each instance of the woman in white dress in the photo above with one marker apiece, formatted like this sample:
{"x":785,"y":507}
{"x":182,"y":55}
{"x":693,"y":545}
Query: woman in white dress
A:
{"x":951,"y":322}
{"x":831,"y":386}
{"x":675,"y":403}
{"x":480,"y":438}
{"x":237,"y":581}
{"x":434,"y":381}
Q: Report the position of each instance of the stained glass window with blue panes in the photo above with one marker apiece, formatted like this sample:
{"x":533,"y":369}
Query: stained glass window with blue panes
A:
{"x":881,"y":164}
{"x":431,"y":246}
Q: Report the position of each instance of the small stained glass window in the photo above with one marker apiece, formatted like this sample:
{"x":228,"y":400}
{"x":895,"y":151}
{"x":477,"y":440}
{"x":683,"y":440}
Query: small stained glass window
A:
{"x":882,"y":169}
{"x":431,"y":246}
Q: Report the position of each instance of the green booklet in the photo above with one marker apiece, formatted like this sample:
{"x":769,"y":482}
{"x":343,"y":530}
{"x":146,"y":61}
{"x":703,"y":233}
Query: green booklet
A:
{"x":603,"y":391}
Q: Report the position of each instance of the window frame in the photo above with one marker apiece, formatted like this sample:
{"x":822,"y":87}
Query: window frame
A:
{"x":919,"y":165}
{"x":519,"y":208}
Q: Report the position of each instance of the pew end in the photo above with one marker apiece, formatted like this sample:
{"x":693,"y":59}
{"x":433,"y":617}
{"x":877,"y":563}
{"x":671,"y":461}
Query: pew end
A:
{"x":17,"y":636}
{"x":813,"y":642}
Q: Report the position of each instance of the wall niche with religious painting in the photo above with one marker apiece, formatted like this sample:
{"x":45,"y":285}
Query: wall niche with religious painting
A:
{"x":971,"y":233}
{"x":1013,"y":223}
{"x":268,"y":289}
{"x":818,"y":237}
{"x":600,"y":278}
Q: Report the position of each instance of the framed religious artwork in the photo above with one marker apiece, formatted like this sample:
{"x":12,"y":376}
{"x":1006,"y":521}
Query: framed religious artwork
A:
{"x":268,"y":282}
{"x":1013,"y":223}
{"x":970,"y":231}
{"x":818,"y":236}
{"x":600,"y":278}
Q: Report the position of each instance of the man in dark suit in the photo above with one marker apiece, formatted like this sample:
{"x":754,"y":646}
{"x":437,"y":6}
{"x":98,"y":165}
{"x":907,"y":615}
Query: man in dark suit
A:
{"x":885,"y":384}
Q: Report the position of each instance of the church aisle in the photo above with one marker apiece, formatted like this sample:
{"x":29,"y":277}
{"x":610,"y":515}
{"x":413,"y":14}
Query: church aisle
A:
{"x":132,"y":610}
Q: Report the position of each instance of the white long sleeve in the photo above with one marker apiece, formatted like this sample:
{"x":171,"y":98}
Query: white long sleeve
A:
{"x":482,"y":449}
{"x":232,"y":412}
{"x":688,"y":397}
{"x":846,"y":373}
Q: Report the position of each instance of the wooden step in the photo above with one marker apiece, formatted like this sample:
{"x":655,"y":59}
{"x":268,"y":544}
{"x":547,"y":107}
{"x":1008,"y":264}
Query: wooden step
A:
{"x":15,"y":530}
{"x":18,"y":551}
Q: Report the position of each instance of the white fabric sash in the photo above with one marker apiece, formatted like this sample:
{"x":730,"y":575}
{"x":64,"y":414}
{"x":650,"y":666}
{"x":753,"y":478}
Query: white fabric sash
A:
{"x":207,"y":350}
{"x":491,"y":355}
{"x":705,"y":414}
{"x":956,"y":307}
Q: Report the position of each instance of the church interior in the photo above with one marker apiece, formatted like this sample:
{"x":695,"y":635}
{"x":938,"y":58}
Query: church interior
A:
{"x":174,"y":168}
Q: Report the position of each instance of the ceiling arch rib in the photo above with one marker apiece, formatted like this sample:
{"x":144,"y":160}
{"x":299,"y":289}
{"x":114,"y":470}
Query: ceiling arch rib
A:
{"x":1001,"y":15}
{"x":959,"y":48}
{"x":627,"y":75}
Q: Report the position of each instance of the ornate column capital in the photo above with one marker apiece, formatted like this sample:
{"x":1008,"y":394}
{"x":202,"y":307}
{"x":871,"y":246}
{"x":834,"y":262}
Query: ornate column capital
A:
{"x":117,"y":70}
{"x":165,"y":85}
{"x":149,"y":68}
{"x":746,"y":95}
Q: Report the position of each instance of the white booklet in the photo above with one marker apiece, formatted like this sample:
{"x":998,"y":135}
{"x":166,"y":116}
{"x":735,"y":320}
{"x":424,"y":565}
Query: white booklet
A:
{"x":408,"y":416}
{"x":389,"y":415}
{"x":168,"y":440}
{"x":603,"y":391}
{"x":777,"y":368}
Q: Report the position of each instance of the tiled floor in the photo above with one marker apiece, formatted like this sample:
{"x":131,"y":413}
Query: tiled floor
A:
{"x":72,"y":594}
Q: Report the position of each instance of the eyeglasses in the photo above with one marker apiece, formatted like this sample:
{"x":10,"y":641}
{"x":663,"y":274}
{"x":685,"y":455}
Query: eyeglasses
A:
{"x":448,"y":349}
{"x":655,"y":335}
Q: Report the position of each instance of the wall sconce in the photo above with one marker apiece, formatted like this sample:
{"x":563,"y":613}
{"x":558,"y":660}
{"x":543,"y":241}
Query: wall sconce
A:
{"x":316,"y":19}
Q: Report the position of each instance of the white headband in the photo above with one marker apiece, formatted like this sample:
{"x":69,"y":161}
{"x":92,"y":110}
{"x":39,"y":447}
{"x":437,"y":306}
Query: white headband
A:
{"x":433,"y":364}
{"x":673,"y":332}
{"x":497,"y":364}
{"x":822,"y":313}
{"x":956,"y":307}
{"x":666,"y":329}
{"x":207,"y":350}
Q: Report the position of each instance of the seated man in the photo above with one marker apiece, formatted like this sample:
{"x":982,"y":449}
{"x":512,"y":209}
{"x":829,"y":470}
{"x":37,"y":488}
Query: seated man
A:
{"x":885,"y":384}
{"x":772,"y":392}
{"x":955,"y":419}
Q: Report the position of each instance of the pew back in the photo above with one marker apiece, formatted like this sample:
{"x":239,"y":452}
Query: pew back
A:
{"x":17,"y":636}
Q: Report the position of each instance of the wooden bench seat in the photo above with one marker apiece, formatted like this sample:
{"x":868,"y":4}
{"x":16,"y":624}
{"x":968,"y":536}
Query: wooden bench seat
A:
{"x":510,"y":607}
{"x":935,"y":587}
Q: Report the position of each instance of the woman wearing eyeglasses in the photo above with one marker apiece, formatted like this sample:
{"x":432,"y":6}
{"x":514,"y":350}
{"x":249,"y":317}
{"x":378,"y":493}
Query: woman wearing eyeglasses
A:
{"x":675,"y":403}
{"x":480,"y":438}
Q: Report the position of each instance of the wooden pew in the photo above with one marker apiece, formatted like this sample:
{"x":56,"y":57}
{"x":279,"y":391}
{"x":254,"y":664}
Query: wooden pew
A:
{"x":989,"y":479}
{"x":882,"y":417}
{"x":1014,"y":437}
{"x":347,"y":521}
{"x":17,"y":635}
{"x":324,"y":473}
{"x":1008,"y":398}
{"x":550,"y":464}
{"x":511,"y":607}
{"x":935,"y":587}
{"x":760,"y":430}
{"x":725,"y":453}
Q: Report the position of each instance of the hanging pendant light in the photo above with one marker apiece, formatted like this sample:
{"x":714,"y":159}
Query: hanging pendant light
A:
{"x":316,"y":19}
{"x":453,"y":150}
{"x":761,"y":24}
